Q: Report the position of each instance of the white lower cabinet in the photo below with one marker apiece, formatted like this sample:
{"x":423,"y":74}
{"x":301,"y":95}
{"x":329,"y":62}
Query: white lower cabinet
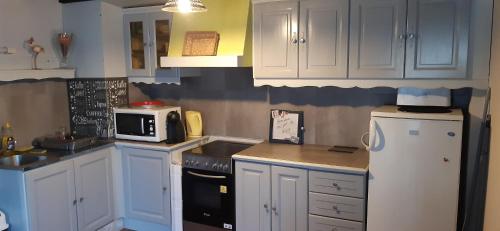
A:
{"x":71,"y":195}
{"x":147,"y":185}
{"x":270,"y":198}
{"x":51,"y":198}
{"x":94,"y":190}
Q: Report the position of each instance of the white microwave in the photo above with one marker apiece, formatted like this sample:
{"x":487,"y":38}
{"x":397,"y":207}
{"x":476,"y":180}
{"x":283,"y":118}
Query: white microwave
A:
{"x":142,"y":124}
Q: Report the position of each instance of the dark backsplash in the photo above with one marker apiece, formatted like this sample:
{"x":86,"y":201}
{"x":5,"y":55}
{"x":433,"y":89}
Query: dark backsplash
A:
{"x":232,"y":106}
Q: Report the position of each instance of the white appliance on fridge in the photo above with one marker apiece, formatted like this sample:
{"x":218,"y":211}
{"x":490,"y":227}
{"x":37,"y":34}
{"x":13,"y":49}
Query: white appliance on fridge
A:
{"x":414,"y":170}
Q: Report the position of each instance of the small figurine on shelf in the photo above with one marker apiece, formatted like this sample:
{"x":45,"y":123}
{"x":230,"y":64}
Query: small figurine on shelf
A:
{"x":35,"y":50}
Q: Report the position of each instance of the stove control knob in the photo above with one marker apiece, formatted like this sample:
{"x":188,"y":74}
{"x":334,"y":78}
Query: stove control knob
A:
{"x":186,"y":162}
{"x":206,"y":164}
{"x":221,"y":166}
{"x":226,"y":167}
{"x":214,"y":166}
{"x":196,"y":163}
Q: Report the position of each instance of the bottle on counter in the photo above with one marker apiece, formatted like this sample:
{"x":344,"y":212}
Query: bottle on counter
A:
{"x":8,"y":141}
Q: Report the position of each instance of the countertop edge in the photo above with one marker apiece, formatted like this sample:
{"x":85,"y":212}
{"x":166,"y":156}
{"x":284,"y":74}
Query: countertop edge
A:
{"x":310,"y":166}
{"x":154,"y":146}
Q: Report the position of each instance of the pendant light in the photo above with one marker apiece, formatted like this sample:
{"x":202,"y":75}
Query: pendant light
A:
{"x":184,"y":6}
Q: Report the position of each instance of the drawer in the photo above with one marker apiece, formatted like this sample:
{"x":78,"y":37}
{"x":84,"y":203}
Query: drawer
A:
{"x":317,"y":223}
{"x":337,"y":183}
{"x":337,"y":206}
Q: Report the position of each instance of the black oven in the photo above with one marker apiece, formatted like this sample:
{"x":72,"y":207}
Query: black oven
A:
{"x":208,"y":198}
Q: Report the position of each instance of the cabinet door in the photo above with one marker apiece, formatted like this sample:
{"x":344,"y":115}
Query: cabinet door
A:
{"x":137,"y":45}
{"x":160,"y":27}
{"x":51,"y":198}
{"x":323,"y":38}
{"x":253,"y":197}
{"x":147,"y":185}
{"x":377,"y":38}
{"x":94,"y":190}
{"x":275,"y":40}
{"x":437,"y":39}
{"x":289,"y":196}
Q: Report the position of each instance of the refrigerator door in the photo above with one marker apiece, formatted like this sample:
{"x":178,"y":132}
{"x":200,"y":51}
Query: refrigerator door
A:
{"x":414,"y":175}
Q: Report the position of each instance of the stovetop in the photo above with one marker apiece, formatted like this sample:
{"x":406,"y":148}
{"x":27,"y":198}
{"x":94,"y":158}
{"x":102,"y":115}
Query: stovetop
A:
{"x":214,"y":156}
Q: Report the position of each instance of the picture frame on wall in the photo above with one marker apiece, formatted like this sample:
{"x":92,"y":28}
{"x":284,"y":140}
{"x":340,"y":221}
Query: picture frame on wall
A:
{"x":286,"y":127}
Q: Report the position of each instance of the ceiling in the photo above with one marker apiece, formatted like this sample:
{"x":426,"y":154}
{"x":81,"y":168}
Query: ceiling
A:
{"x":135,"y":3}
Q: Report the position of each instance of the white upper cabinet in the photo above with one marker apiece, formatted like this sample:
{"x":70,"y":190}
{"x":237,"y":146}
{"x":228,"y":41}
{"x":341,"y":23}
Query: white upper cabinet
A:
{"x":437,"y":39}
{"x":147,"y":38}
{"x":377,"y":38}
{"x":306,"y":39}
{"x":275,"y":38}
{"x":323,"y":35}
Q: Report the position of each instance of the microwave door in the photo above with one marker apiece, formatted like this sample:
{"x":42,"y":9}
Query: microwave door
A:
{"x":131,"y":124}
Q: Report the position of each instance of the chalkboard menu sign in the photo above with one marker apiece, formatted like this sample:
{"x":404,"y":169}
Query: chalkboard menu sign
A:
{"x":91,"y":103}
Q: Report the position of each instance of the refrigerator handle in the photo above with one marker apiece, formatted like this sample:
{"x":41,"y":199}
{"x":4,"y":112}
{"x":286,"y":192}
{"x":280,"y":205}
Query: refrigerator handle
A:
{"x":371,"y":136}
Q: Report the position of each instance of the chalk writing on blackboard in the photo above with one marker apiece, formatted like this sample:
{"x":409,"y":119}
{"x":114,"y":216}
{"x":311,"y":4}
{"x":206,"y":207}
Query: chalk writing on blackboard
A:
{"x":91,"y":105}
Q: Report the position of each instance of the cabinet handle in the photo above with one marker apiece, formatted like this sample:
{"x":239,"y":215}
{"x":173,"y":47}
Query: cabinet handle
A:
{"x":402,"y":36}
{"x":74,"y":202}
{"x":275,"y":210}
{"x":336,"y":209}
{"x":294,"y":38}
{"x":411,"y":36}
{"x":145,"y":44}
{"x":302,"y":39}
{"x":446,"y":159}
{"x":266,"y":207}
{"x":164,"y":189}
{"x":81,"y":199}
{"x":336,"y":186}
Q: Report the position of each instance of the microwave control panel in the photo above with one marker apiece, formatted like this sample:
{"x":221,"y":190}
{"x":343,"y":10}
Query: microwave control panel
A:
{"x":149,"y":125}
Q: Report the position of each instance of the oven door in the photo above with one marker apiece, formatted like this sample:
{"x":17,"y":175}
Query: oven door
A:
{"x":208,"y":198}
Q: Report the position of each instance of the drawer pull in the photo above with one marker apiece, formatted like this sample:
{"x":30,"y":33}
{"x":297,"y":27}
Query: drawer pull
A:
{"x":336,"y":186}
{"x":336,"y":209}
{"x":266,"y":207}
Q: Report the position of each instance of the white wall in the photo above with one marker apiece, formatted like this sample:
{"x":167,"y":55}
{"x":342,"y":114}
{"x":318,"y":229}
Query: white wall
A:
{"x":21,"y":19}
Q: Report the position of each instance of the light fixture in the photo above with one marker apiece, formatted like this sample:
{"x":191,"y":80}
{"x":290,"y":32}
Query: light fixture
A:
{"x":184,"y":6}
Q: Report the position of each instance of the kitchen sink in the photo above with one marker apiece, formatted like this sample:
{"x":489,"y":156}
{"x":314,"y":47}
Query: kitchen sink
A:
{"x":21,"y":160}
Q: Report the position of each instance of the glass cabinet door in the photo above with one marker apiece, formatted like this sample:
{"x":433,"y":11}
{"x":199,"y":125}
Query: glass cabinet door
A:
{"x":137,"y":45}
{"x":161,"y":26}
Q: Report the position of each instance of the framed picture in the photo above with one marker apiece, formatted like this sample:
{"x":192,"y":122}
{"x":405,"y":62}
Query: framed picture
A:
{"x":286,"y":127}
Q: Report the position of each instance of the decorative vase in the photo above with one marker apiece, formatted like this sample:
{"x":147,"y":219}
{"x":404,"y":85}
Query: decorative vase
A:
{"x":64,"y":39}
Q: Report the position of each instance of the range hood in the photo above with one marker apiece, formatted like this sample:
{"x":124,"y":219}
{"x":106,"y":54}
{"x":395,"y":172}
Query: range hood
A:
{"x":231,"y":19}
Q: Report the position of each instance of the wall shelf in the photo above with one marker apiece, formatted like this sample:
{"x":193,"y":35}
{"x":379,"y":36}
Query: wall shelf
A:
{"x":11,"y":75}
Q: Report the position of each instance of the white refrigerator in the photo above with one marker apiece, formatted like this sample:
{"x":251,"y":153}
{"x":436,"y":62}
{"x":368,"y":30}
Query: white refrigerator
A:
{"x":414,"y":170}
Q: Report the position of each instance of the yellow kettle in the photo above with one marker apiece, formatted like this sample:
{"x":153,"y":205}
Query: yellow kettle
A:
{"x":194,"y":124}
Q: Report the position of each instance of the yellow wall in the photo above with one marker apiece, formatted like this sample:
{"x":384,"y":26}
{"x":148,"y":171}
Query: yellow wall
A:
{"x":228,"y":17}
{"x":492,"y":211}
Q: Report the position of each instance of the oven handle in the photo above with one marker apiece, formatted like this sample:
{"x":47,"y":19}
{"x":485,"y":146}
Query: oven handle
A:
{"x":206,"y":176}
